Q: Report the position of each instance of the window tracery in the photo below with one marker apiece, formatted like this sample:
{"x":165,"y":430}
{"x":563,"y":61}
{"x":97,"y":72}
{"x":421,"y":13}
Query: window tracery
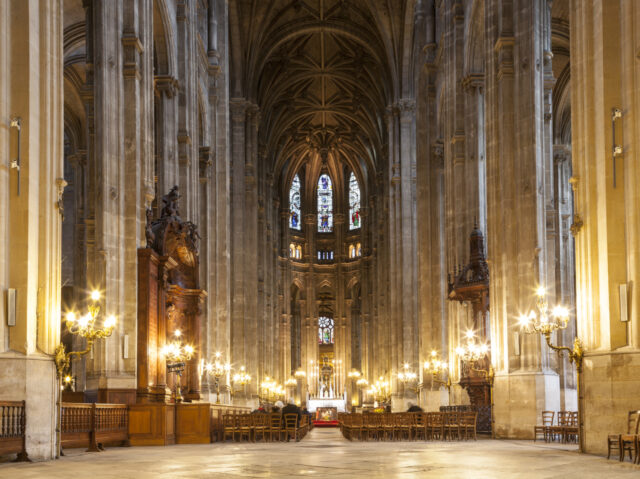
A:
{"x":325,"y":204}
{"x":295,"y":204}
{"x":354,"y":203}
{"x":325,"y":330}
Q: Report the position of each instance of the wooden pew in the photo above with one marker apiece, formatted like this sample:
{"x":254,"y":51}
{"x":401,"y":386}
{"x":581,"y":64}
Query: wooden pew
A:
{"x":94,"y":425}
{"x":13,"y":425}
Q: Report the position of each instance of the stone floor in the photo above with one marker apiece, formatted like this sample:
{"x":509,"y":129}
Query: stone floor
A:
{"x":325,"y":454}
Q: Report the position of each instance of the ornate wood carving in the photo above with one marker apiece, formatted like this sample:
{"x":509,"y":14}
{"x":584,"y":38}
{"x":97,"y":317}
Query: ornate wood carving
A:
{"x":169,"y":298}
{"x":470,"y":283}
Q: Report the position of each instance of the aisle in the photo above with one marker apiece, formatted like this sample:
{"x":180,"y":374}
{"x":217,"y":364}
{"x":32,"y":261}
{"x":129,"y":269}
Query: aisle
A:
{"x":324,"y":453}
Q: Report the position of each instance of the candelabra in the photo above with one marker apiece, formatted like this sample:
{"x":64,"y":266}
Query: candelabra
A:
{"x":408,"y":376}
{"x":242,"y":378}
{"x":271,"y":390}
{"x":471,"y":353}
{"x":380,"y":391}
{"x":176,"y":353}
{"x":437,"y":368}
{"x":217,"y":370}
{"x":546,"y":322}
{"x":85,"y":326}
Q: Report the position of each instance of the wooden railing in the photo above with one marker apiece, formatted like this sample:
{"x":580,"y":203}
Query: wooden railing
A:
{"x":13,"y":424}
{"x":94,"y":425}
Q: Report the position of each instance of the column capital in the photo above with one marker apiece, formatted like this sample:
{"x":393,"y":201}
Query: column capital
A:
{"x":166,"y":85}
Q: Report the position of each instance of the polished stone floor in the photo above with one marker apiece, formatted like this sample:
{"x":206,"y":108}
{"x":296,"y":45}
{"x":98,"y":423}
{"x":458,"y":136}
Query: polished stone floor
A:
{"x":325,"y":454}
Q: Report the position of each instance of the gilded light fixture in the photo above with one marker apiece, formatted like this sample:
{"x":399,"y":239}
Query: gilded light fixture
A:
{"x":472,"y":352}
{"x":546,"y":322}
{"x":407,"y":376}
{"x":217,"y":369}
{"x":176,"y":353}
{"x":86,"y":326}
{"x":437,"y":367}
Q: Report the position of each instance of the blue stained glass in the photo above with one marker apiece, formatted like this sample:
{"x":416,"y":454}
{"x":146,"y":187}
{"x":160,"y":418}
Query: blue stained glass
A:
{"x":325,"y":330}
{"x":325,"y":204}
{"x":354,"y":203}
{"x":294,"y":204}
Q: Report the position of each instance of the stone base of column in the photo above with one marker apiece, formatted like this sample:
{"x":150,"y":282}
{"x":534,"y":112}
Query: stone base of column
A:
{"x":431,"y":400}
{"x":520,"y":398}
{"x":32,"y":379}
{"x":610,"y":383}
{"x":117,"y":390}
{"x":459,"y":396}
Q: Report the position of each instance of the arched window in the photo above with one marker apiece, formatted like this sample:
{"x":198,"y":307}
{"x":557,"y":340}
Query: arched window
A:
{"x":325,"y":330}
{"x":354,"y":203}
{"x":298,"y":252}
{"x":325,"y":204}
{"x":292,"y":250}
{"x":294,"y":204}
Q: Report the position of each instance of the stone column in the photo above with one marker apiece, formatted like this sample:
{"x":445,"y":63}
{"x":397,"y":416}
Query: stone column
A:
{"x":31,"y":86}
{"x":604,"y":76}
{"x":116,"y":224}
{"x":517,"y":177}
{"x":238,"y":138}
{"x":166,"y":137}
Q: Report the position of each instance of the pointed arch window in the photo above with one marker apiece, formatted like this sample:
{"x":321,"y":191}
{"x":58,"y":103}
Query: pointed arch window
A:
{"x":325,"y":330}
{"x":325,"y":204}
{"x":295,"y":204}
{"x":354,"y":203}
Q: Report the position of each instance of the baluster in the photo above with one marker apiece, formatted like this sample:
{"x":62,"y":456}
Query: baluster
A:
{"x":12,"y":430}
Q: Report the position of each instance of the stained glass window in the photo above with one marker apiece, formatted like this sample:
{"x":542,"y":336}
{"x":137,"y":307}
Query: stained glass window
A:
{"x":325,"y":204}
{"x":354,"y":203}
{"x":325,"y":330}
{"x":294,"y":204}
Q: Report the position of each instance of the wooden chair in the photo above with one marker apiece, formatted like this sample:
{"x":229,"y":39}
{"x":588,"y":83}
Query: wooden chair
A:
{"x":291,"y":426}
{"x":244,"y":427}
{"x":370,"y":426}
{"x":405,"y":425}
{"x":228,"y":426}
{"x":387,"y":426}
{"x":629,"y":442}
{"x":356,"y":426}
{"x":260,"y":426}
{"x":557,"y":431}
{"x":345,"y":421}
{"x":547,"y":422}
{"x":452,"y":425}
{"x":435,"y":425}
{"x":420,"y":425}
{"x":304,"y":425}
{"x":275,"y":426}
{"x":468,"y":421}
{"x":613,"y":440}
{"x":571,"y":430}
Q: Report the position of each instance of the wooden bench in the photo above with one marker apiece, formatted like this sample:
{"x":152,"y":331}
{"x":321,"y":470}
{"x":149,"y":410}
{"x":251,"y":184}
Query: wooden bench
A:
{"x":94,"y":425}
{"x":13,"y":425}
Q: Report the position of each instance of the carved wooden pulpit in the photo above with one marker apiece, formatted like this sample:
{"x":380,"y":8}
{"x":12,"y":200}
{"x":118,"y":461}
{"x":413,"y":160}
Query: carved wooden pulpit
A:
{"x":471,"y":283}
{"x":168,"y":299}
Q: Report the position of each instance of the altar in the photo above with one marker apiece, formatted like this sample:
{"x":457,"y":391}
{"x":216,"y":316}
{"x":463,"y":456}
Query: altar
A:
{"x":338,"y":403}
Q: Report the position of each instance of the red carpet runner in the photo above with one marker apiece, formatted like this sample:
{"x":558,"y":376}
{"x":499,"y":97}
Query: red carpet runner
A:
{"x":320,"y":423}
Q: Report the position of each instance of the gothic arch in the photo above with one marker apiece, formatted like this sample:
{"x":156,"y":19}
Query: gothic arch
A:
{"x":164,"y":42}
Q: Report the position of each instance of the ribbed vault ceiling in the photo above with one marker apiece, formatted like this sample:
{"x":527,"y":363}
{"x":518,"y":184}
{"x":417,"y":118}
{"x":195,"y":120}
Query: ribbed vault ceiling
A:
{"x":321,"y":74}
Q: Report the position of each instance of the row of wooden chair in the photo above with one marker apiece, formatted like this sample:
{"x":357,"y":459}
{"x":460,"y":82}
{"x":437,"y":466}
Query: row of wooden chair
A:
{"x":409,"y":426}
{"x":564,"y":430}
{"x":266,"y":427}
{"x":627,"y":442}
